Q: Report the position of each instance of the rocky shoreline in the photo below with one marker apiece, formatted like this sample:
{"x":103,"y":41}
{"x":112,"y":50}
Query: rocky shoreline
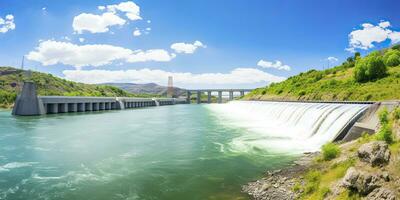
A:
{"x":279,"y":184}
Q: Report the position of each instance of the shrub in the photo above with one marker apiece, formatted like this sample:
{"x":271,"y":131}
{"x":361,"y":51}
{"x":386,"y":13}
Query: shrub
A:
{"x":392,"y":58}
{"x":383,"y":116}
{"x":313,"y":178}
{"x":385,"y":134}
{"x":330,"y":151}
{"x":396,"y":113}
{"x":370,"y":68}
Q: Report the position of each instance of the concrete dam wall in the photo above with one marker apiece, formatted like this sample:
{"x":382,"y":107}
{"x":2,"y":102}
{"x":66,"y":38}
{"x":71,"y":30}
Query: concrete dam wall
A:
{"x":28,"y":103}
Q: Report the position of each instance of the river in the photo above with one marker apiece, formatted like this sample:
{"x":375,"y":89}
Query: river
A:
{"x":169,"y":152}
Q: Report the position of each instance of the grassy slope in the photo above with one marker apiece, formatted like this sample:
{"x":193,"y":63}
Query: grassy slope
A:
{"x":47,"y":84}
{"x":319,"y":182}
{"x":332,"y":84}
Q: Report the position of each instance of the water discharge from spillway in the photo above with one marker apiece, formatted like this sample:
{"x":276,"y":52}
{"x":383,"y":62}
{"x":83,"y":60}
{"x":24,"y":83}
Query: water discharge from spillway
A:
{"x":284,"y":126}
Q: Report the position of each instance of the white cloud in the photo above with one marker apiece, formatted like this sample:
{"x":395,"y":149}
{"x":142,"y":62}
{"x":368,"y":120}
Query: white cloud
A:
{"x":148,"y":21}
{"x":369,"y":34}
{"x":277,"y":65}
{"x":131,"y":10}
{"x":52,"y":52}
{"x":81,"y":39}
{"x":110,"y":17}
{"x":236,"y":76}
{"x":137,"y":32}
{"x":332,"y":59}
{"x":148,"y":29}
{"x":96,"y":23}
{"x":187,"y":48}
{"x":7,"y":24}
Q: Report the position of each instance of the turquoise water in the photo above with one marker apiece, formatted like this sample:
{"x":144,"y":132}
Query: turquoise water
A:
{"x":169,"y":152}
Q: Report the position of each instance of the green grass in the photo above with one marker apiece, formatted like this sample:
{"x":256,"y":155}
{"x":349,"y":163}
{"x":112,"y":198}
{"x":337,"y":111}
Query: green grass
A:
{"x":11,"y":80}
{"x":330,"y":151}
{"x":334,"y":84}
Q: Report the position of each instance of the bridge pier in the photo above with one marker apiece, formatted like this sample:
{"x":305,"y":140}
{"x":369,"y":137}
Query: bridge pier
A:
{"x":188,"y":93}
{"x":230,"y":95}
{"x":219,"y":96}
{"x":209,"y":97}
{"x":198,"y":97}
{"x":241,"y":93}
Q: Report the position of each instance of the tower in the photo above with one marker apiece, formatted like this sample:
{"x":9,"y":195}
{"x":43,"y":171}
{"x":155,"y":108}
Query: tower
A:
{"x":170,"y":91}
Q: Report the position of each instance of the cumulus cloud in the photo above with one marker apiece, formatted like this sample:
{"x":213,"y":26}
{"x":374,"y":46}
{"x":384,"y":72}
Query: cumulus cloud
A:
{"x":137,"y":32}
{"x":369,"y":34}
{"x":131,"y":10}
{"x":332,"y":59}
{"x":187,"y":48}
{"x":276,"y":65}
{"x":81,"y":39}
{"x":96,"y":23}
{"x":52,"y":52}
{"x":236,"y":76}
{"x":7,"y":24}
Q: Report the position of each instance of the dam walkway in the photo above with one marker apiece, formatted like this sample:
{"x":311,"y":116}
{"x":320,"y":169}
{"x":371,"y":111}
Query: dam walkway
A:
{"x":28,"y":103}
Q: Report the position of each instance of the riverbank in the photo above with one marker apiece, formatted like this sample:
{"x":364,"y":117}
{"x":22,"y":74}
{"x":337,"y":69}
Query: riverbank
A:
{"x":366,"y":168}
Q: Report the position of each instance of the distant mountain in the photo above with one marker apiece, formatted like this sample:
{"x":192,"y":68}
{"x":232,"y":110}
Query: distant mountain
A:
{"x":148,"y":88}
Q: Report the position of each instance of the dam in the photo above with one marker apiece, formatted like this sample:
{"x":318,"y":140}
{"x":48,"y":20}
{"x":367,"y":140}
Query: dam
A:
{"x":196,"y":151}
{"x":29,"y":103}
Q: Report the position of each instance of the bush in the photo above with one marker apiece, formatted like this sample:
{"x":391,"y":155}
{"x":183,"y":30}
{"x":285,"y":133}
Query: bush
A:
{"x":313,"y":178}
{"x":392,"y":58}
{"x":385,"y":134}
{"x":330,"y":151}
{"x":396,"y":113}
{"x":383,"y":116}
{"x":370,"y":68}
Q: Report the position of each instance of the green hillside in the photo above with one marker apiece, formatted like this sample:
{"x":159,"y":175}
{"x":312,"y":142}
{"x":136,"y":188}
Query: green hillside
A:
{"x":371,"y":78}
{"x":11,"y":82}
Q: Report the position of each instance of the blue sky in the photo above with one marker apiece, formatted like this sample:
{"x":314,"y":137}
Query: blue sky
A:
{"x":232,"y":38}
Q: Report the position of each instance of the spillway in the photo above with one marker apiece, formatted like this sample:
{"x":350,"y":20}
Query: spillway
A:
{"x":285,"y":126}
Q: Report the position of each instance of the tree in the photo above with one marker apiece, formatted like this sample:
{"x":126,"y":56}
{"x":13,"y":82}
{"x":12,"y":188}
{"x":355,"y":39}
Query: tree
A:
{"x":392,"y":58}
{"x":370,"y":68}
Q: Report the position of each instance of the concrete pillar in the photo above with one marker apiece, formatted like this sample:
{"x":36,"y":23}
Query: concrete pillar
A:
{"x":81,"y":107}
{"x":95,"y":106}
{"x":188,"y":96}
{"x":88,"y":107}
{"x":241,"y":93}
{"x":209,"y":97}
{"x":107,"y":106}
{"x":198,"y":97}
{"x":72,"y":107}
{"x":62,"y":107}
{"x":101,"y":106}
{"x":219,"y":96}
{"x":230,"y":95}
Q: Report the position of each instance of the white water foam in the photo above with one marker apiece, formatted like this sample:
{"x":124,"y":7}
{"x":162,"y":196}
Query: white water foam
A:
{"x":284,"y":126}
{"x":13,"y":165}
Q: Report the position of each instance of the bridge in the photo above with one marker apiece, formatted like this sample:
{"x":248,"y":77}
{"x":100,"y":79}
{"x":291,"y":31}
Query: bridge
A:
{"x":209,"y":92}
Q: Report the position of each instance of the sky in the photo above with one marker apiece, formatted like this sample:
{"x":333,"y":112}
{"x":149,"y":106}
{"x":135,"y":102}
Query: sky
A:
{"x":201,"y":43}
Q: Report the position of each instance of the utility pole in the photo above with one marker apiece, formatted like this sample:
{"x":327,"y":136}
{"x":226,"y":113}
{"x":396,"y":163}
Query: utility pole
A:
{"x":170,"y":91}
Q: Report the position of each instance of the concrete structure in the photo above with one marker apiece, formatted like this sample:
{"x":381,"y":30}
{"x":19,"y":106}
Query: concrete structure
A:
{"x":365,"y":122}
{"x":28,"y":103}
{"x":219,"y":91}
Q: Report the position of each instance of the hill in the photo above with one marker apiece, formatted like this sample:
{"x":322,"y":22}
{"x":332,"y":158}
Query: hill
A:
{"x":11,"y":80}
{"x":148,"y":88}
{"x":374,"y":77}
